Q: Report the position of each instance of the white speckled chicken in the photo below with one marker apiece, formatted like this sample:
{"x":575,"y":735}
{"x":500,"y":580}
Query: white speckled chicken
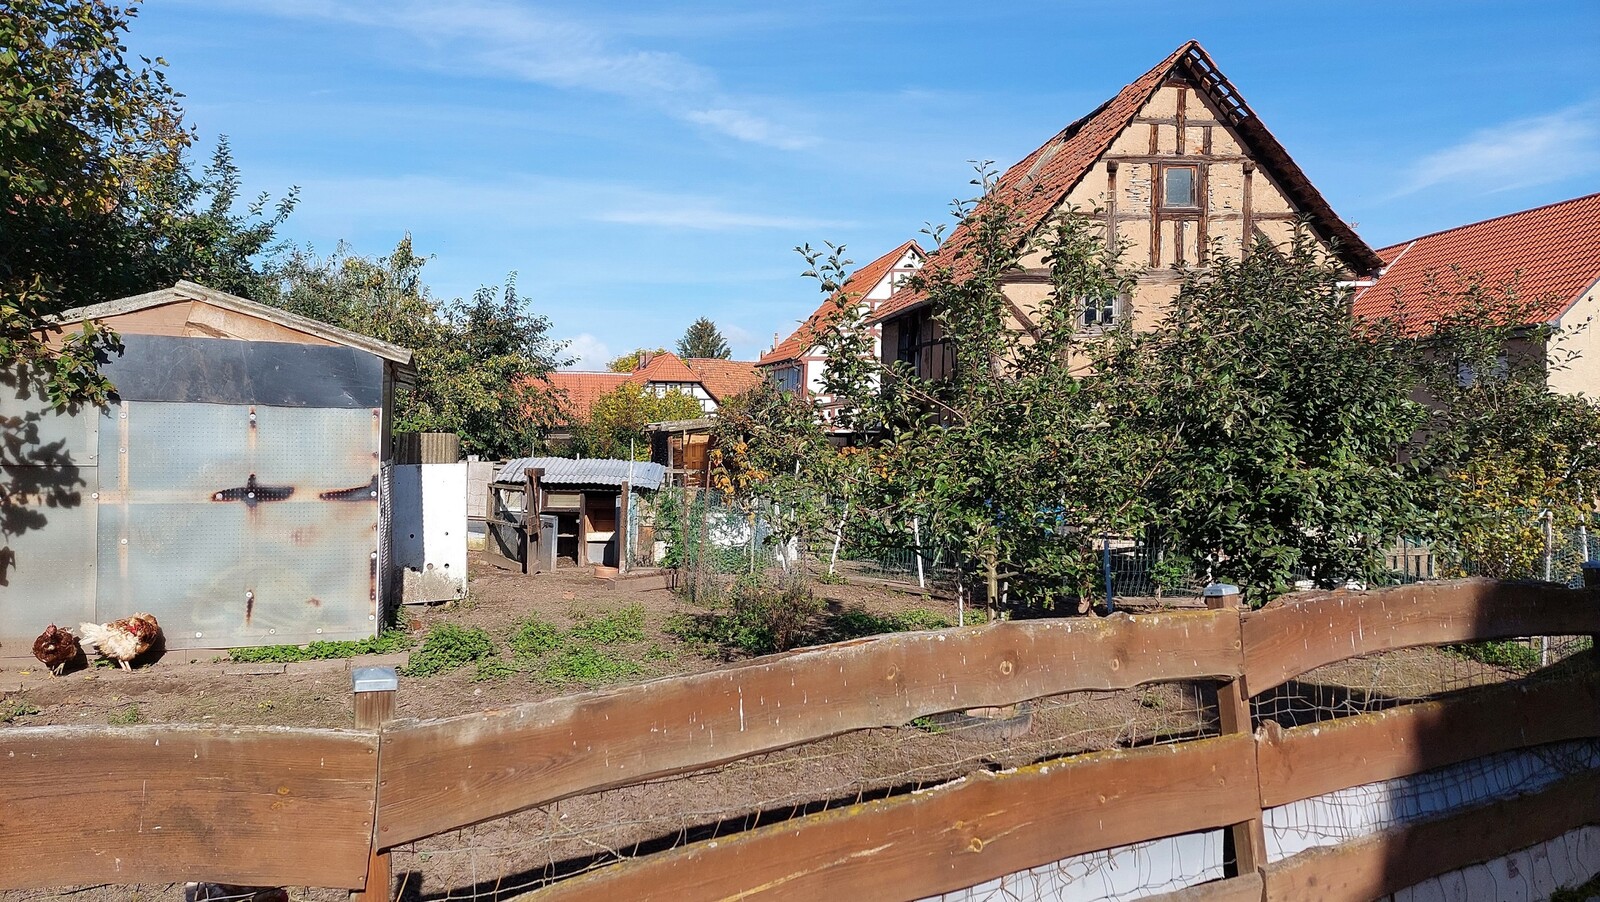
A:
{"x":122,"y":640}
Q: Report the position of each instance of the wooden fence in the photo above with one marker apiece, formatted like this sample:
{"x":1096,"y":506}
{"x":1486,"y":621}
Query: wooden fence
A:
{"x":321,"y":807}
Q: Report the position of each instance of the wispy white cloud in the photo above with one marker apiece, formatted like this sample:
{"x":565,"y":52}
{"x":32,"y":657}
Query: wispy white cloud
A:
{"x":746,"y":127}
{"x":1516,"y":154}
{"x":588,"y":353}
{"x":495,"y":38}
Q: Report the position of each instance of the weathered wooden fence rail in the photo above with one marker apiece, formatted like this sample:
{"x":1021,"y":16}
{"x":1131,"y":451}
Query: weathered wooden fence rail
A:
{"x":283,"y":806}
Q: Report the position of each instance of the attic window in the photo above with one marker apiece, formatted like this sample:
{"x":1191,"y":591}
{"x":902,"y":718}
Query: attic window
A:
{"x":1178,"y":188}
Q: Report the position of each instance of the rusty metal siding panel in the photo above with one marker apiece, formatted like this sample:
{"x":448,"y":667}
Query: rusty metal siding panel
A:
{"x":240,"y":524}
{"x":47,"y":512}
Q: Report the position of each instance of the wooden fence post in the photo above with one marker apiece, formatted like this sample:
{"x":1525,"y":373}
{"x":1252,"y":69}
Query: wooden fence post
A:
{"x":373,"y":690}
{"x":1247,"y":840}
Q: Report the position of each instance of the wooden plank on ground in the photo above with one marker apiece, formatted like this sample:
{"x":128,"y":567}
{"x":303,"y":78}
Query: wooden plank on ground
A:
{"x":1305,"y":631}
{"x":955,"y":836}
{"x":1243,"y":888}
{"x":156,"y":804}
{"x":1309,"y":761}
{"x":450,"y":773}
{"x":1391,"y":861}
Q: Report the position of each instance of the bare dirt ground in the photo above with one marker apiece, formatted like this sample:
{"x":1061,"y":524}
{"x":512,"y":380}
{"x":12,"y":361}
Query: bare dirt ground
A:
{"x":206,"y":687}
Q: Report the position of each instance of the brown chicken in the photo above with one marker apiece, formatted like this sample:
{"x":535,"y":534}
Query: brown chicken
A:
{"x":122,"y":640}
{"x":56,"y":648}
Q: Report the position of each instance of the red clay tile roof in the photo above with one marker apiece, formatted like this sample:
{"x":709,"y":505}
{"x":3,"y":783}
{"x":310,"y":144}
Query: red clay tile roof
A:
{"x":664,"y":368}
{"x":858,"y":284}
{"x":583,"y":389}
{"x":1037,"y":184}
{"x":721,"y":379}
{"x":725,"y":378}
{"x":1552,"y":253}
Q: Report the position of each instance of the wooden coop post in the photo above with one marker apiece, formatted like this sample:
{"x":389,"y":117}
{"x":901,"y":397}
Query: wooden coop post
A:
{"x":620,"y":537}
{"x":1247,"y":840}
{"x":531,"y":509}
{"x":373,"y":693}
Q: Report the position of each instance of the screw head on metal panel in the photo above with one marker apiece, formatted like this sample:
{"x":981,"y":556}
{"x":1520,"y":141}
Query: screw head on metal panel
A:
{"x":249,"y":595}
{"x":199,"y":635}
{"x":374,"y":554}
{"x":319,"y":631}
{"x":94,"y":494}
{"x":374,"y":494}
{"x":1216,"y":590}
{"x":272,"y":632}
{"x":122,"y":450}
{"x":372,"y":616}
{"x":124,"y":541}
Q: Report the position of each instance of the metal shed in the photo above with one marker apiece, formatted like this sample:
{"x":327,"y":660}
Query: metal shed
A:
{"x":237,"y":487}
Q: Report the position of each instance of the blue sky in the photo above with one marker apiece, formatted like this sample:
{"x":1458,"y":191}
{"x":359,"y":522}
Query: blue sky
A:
{"x":643,"y":164}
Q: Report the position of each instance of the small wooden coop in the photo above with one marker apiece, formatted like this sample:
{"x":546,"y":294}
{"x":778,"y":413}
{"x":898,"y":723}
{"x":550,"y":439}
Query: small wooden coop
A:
{"x":585,"y":511}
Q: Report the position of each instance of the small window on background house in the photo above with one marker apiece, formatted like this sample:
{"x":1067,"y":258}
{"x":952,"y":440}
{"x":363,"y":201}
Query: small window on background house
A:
{"x":1178,"y":187}
{"x":1100,"y":312}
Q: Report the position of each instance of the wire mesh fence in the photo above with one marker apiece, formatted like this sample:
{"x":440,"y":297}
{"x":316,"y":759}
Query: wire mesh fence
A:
{"x":501,"y":859}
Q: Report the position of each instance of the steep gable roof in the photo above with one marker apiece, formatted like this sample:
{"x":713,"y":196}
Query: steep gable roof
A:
{"x":1038,"y":184}
{"x":664,"y":368}
{"x":1551,"y":252}
{"x":859,"y":284}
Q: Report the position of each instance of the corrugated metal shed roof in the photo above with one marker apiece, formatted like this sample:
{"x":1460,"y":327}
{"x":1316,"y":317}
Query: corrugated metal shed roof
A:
{"x":591,"y":471}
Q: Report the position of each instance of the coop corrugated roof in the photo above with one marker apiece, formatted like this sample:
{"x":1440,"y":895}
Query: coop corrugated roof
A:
{"x":586,"y":471}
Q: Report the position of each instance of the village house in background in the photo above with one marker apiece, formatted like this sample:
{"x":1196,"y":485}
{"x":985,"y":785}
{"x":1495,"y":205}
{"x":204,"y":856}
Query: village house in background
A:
{"x":237,"y":486}
{"x":708,"y":380}
{"x":1175,"y":161}
{"x":798,"y":363}
{"x":1548,"y":256}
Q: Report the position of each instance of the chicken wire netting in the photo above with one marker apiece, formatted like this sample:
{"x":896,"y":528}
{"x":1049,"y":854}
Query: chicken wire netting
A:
{"x":506,"y":857}
{"x":1384,"y":680}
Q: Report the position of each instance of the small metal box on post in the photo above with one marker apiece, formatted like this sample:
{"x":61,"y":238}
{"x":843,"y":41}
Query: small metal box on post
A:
{"x":373,"y":692}
{"x":1246,"y":841}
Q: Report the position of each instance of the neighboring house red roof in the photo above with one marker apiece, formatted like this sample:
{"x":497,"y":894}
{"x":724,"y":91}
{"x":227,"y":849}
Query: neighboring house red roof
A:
{"x":720,"y":378}
{"x":725,"y":378}
{"x":1550,"y":254}
{"x":1036,"y":186}
{"x":583,"y":389}
{"x":663,"y":368}
{"x":856,"y":286}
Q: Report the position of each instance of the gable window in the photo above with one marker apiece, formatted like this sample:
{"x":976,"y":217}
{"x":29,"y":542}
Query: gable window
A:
{"x":1178,"y":188}
{"x":1101,"y":311}
{"x":787,"y":378}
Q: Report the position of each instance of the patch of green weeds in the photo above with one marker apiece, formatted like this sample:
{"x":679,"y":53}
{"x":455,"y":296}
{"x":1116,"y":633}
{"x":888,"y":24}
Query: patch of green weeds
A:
{"x":856,"y":622}
{"x":447,"y":647}
{"x":928,"y":725}
{"x":11,"y":709}
{"x":387,"y":642}
{"x":613,"y":628}
{"x":495,"y":669}
{"x":580,"y":662}
{"x":127,"y":717}
{"x":1510,"y":654}
{"x":533,"y":637}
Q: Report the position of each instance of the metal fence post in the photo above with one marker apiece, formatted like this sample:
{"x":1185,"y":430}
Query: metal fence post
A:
{"x":1247,"y":840}
{"x":373,"y":694}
